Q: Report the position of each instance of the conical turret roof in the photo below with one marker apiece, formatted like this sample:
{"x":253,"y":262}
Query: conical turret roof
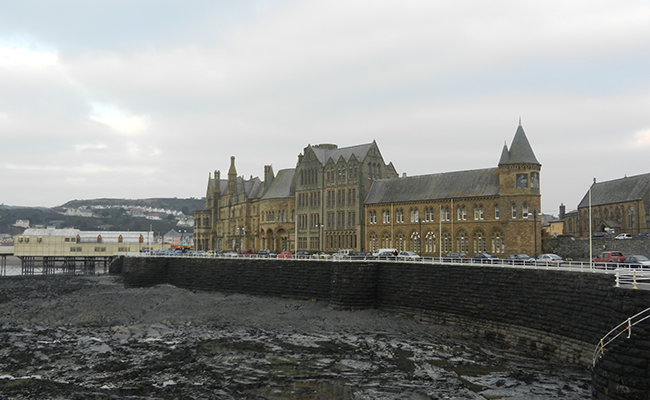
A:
{"x":520,"y":150}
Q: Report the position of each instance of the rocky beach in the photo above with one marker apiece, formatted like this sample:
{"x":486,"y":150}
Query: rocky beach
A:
{"x":89,"y":337}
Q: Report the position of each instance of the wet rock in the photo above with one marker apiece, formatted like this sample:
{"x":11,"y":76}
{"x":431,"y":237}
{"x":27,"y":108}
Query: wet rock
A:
{"x":156,"y":343}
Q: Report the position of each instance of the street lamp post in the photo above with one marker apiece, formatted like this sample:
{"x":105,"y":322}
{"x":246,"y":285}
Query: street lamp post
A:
{"x":240,"y":230}
{"x":420,"y":236}
{"x":535,"y":228}
{"x":321,"y":245}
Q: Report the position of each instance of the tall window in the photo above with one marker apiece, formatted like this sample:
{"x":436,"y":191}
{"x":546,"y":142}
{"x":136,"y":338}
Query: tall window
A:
{"x":478,"y":212}
{"x":498,"y":244}
{"x":372,"y":217}
{"x":415,"y":242}
{"x":399,"y":242}
{"x":497,"y":212}
{"x":444,"y":213}
{"x":415,"y":215}
{"x":399,"y":216}
{"x":386,"y":217}
{"x":373,"y":242}
{"x":462,"y":242}
{"x":428,"y":214}
{"x":514,"y":210}
{"x":479,"y":241}
{"x":445,"y":245}
{"x":385,"y":240}
{"x":524,"y":210}
{"x":461,"y":213}
{"x":430,"y":242}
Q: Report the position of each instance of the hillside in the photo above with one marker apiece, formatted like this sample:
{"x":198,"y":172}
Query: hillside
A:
{"x":108,"y":214}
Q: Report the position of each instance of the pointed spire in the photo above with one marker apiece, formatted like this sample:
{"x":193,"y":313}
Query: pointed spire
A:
{"x":232,"y":170}
{"x":505,"y":155}
{"x":520,"y":150}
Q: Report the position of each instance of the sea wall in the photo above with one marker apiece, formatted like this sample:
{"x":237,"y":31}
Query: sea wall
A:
{"x":553,"y":314}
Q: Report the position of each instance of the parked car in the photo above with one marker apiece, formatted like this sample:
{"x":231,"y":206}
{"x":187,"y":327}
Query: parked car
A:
{"x":285,"y":254}
{"x":362,"y":255}
{"x":601,"y":235}
{"x":342,"y":254}
{"x":246,"y":253}
{"x":408,"y":255}
{"x":484,"y":258}
{"x":454,"y":256}
{"x":638,"y":261}
{"x":231,"y":254}
{"x":549,"y":257}
{"x":302,"y":254}
{"x":386,"y":255}
{"x":321,"y":254}
{"x":643,"y":235}
{"x":266,"y":253}
{"x":520,"y":259}
{"x":622,"y":236}
{"x":609,"y":257}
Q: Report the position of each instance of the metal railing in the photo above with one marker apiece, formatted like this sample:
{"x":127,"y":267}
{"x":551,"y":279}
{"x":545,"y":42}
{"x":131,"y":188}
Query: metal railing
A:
{"x":636,"y":278}
{"x":624,"y":327}
{"x":625,"y":272}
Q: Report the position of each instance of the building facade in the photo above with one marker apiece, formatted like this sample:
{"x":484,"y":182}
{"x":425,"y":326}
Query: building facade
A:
{"x":350,"y":198}
{"x":620,"y":206}
{"x":491,"y":210}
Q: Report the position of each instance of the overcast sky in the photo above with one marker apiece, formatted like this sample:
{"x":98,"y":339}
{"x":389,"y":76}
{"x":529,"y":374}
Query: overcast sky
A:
{"x":144,"y":98}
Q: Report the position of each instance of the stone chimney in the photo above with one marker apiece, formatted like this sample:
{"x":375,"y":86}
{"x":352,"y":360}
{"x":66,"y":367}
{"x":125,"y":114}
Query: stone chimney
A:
{"x":562,"y":211}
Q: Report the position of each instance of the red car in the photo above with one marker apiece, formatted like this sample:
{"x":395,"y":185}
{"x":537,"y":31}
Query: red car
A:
{"x":610,"y":257}
{"x":285,"y":254}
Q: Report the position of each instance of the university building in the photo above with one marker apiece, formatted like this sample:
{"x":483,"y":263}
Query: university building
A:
{"x":491,"y":210}
{"x":350,"y":198}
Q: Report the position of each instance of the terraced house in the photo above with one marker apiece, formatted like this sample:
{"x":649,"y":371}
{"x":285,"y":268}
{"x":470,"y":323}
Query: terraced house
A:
{"x":350,"y":198}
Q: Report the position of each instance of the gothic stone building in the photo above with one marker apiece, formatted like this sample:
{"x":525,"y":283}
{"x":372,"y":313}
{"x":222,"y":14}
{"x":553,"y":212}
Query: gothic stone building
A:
{"x":487,"y":210}
{"x":349,"y":198}
{"x":620,"y":205}
{"x":316,"y":206}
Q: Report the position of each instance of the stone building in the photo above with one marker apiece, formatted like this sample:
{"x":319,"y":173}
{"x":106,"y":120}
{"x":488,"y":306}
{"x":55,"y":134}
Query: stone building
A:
{"x":331,"y":184}
{"x":350,"y":198}
{"x":490,"y":210}
{"x":230,"y":219}
{"x":316,"y":206}
{"x":620,"y":206}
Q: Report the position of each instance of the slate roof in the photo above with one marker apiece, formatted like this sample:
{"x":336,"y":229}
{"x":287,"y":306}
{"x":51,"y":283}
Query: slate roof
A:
{"x":324,"y":154}
{"x":618,"y":191}
{"x":281,"y":185}
{"x":520,"y":150}
{"x":448,"y":185}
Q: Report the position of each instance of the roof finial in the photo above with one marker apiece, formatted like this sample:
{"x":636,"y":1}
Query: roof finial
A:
{"x":520,"y":120}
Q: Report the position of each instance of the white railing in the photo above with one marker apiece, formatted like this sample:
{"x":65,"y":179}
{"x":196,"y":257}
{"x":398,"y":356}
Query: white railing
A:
{"x":624,"y":272}
{"x":624,"y":327}
{"x":635,"y":277}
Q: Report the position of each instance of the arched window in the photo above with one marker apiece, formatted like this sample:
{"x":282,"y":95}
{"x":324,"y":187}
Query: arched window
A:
{"x":524,"y":210}
{"x":462,"y":242}
{"x":497,"y":212}
{"x":479,"y":241}
{"x":415,"y":242}
{"x":373,"y":242}
{"x":430,"y":242}
{"x":498,"y":243}
{"x":445,"y":245}
{"x":399,"y":242}
{"x":386,"y":240}
{"x":514,"y":210}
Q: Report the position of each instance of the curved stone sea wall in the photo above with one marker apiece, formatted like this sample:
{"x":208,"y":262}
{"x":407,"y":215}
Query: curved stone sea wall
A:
{"x":554,"y":314}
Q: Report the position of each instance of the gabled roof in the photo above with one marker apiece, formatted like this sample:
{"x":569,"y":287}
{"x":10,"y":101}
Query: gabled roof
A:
{"x":281,"y":185}
{"x":252,"y":188}
{"x":520,"y":150}
{"x":325,"y":153}
{"x":618,"y":191}
{"x":449,"y":185}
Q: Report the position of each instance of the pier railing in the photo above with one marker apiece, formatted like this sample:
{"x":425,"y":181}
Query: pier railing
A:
{"x":624,"y":328}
